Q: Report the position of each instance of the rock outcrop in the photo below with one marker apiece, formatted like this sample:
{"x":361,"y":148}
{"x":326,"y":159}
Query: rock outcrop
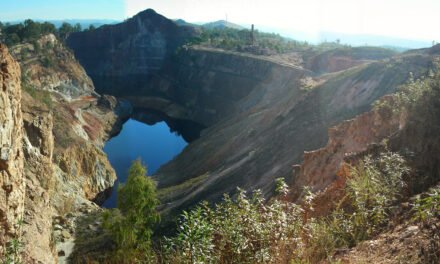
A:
{"x":48,"y":65}
{"x":40,"y":182}
{"x":51,"y":140}
{"x":12,"y":183}
{"x":319,"y":167}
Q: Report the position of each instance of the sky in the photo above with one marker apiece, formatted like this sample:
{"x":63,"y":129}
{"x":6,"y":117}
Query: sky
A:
{"x":409,"y":19}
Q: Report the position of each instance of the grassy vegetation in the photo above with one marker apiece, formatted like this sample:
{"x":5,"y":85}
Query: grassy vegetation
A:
{"x":13,"y":248}
{"x":40,"y":95}
{"x":428,"y":208}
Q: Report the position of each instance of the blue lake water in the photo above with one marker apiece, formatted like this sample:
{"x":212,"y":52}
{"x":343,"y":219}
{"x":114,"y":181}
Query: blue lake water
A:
{"x":155,"y":145}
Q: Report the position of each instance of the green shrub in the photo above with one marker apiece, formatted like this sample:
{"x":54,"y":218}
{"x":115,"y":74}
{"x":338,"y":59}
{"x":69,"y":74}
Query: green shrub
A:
{"x":321,"y":240}
{"x":375,"y":184}
{"x":47,"y":62}
{"x":428,"y":208}
{"x":241,"y":230}
{"x":251,"y":230}
{"x":13,"y":248}
{"x":131,"y":224}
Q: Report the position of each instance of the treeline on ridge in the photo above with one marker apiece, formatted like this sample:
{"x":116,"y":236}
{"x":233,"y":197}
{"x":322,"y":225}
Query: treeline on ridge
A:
{"x":29,"y":30}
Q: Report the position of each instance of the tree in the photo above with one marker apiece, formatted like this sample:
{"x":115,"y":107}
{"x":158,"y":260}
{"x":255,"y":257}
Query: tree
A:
{"x":65,"y":30}
{"x":31,"y":29}
{"x":1,"y":32}
{"x":12,"y":39}
{"x":131,"y":224}
{"x":92,"y":27}
{"x":77,"y":27}
{"x":47,"y":28}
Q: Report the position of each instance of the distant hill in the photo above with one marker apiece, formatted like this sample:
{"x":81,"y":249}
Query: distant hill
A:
{"x":182,"y":22}
{"x":395,"y":43}
{"x":222,"y":24}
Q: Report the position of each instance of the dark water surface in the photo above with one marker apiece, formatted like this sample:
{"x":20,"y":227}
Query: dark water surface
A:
{"x":155,"y":145}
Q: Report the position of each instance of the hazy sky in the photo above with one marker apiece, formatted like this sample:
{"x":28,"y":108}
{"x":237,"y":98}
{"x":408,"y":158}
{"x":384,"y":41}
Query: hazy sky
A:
{"x":412,"y":19}
{"x":62,"y":9}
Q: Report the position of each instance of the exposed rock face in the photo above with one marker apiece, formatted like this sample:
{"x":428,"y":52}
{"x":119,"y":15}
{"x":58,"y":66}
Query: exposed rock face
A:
{"x":320,"y":167}
{"x":88,"y":168}
{"x":63,"y":129}
{"x":64,"y":117}
{"x":128,"y":53}
{"x":47,"y":65}
{"x":12,"y":184}
{"x":40,"y":182}
{"x":208,"y":85}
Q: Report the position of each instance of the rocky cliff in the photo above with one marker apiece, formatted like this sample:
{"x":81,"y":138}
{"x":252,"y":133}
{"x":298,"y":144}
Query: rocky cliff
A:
{"x":258,"y":114}
{"x":319,"y":167}
{"x":52,"y":162}
{"x":12,"y":191}
{"x":49,"y":66}
{"x":126,"y":54}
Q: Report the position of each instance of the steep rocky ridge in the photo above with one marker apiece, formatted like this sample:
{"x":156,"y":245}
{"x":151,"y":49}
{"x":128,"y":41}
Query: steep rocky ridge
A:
{"x":57,"y":129}
{"x":12,"y":191}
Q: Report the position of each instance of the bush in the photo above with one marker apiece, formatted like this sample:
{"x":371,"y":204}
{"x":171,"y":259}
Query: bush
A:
{"x":375,"y":184}
{"x":47,"y":62}
{"x":250,"y":230}
{"x":131,"y":224}
{"x":241,"y":230}
{"x":428,"y":208}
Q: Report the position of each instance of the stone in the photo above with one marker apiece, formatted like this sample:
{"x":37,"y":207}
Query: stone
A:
{"x":57,"y":233}
{"x":405,"y":205}
{"x":61,"y":253}
{"x":410,"y":231}
{"x":12,"y":180}
{"x":65,"y":234}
